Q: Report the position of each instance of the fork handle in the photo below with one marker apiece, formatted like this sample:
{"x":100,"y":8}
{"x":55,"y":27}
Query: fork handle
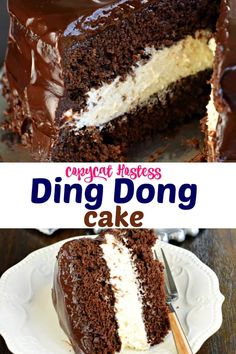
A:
{"x":180,"y":339}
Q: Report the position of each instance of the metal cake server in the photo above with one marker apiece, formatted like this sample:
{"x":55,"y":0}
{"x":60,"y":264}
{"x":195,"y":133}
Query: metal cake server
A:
{"x":181,"y":341}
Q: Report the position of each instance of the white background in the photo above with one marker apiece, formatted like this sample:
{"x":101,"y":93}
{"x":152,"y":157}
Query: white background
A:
{"x":215,"y":206}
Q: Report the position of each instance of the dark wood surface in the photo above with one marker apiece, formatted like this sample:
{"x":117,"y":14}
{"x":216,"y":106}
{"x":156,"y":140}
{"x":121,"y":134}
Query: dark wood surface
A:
{"x":216,"y":248}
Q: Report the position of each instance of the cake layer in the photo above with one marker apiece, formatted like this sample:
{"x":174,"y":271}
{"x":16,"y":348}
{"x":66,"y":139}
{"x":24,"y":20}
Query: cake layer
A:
{"x":114,"y":51}
{"x":84,"y":299}
{"x":152,"y":76}
{"x":221,"y":133}
{"x":84,"y":18}
{"x":181,"y":101}
{"x":151,"y":277}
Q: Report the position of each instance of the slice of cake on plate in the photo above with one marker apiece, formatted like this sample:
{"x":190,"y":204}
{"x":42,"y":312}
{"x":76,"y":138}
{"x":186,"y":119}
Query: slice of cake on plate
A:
{"x":87,"y":79}
{"x":109,"y":292}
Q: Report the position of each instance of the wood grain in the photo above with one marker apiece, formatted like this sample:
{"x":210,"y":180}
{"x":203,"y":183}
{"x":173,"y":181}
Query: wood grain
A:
{"x":181,"y":342}
{"x":216,"y":248}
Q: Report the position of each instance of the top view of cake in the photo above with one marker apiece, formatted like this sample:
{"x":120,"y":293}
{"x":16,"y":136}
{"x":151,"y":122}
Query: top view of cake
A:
{"x":85,"y":80}
{"x":109,"y":292}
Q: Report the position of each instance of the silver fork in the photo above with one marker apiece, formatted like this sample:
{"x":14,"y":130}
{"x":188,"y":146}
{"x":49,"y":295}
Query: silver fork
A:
{"x":181,"y":342}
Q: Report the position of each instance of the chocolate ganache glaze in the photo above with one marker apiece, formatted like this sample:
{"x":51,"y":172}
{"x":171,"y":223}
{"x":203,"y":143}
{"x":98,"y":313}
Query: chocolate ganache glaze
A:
{"x":39,"y":32}
{"x":72,"y":17}
{"x":61,"y":49}
{"x":224,"y":81}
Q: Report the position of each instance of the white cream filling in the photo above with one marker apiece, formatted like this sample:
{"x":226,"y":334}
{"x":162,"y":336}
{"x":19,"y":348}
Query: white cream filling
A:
{"x":128,"y":304}
{"x":164,"y":67}
{"x":212,"y":114}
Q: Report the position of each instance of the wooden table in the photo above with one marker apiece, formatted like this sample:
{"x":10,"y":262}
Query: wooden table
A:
{"x":216,"y":248}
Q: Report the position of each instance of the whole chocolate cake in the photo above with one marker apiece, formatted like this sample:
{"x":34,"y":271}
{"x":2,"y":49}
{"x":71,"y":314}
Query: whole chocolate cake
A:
{"x":109,"y":292}
{"x":86,"y":79}
{"x":221,"y":132}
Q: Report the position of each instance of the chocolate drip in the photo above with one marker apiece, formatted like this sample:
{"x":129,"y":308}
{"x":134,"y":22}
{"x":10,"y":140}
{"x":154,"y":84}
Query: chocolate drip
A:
{"x":38,"y":34}
{"x":224,"y":81}
{"x":72,"y":17}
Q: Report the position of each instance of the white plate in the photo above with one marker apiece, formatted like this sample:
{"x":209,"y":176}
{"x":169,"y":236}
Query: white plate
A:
{"x":29,"y":323}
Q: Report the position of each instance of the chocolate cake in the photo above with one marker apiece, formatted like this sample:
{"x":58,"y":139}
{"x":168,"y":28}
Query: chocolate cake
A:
{"x":109,"y":292}
{"x":86,"y":79}
{"x":221,"y":123}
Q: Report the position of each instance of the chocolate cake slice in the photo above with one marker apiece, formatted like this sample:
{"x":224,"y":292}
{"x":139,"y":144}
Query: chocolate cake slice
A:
{"x":221,"y":121}
{"x":109,"y":292}
{"x":86,"y":79}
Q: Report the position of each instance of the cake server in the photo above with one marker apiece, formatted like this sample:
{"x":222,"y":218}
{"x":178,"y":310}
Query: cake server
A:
{"x":181,"y":341}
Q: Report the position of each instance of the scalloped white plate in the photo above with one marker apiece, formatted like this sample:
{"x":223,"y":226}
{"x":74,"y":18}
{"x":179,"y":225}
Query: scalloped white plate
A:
{"x":29,"y":323}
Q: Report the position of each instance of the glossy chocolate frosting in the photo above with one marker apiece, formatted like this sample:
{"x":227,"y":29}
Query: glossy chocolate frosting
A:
{"x":50,"y":18}
{"x":224,"y":81}
{"x":39,"y":31}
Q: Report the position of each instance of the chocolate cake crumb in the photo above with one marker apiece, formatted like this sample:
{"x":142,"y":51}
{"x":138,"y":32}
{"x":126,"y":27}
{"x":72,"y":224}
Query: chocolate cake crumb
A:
{"x":111,"y":143}
{"x":193,"y":142}
{"x":84,"y":299}
{"x":151,"y":277}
